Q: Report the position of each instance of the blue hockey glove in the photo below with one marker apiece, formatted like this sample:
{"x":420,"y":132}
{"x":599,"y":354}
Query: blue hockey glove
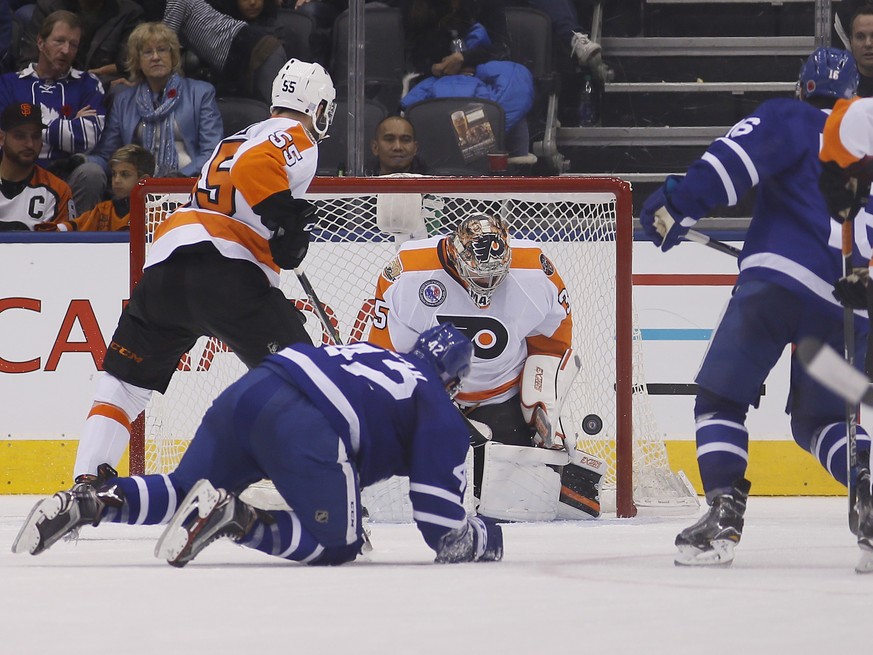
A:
{"x":479,"y":540}
{"x":661,"y":222}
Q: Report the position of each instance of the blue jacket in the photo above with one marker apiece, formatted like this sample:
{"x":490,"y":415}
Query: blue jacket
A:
{"x":507,"y":83}
{"x":196,"y":114}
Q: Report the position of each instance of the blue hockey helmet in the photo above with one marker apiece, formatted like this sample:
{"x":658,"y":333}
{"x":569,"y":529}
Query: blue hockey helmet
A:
{"x":447,"y":352}
{"x":828,"y":72}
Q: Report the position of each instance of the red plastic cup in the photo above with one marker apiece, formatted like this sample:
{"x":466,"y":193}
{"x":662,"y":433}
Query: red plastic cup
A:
{"x":498,"y":162}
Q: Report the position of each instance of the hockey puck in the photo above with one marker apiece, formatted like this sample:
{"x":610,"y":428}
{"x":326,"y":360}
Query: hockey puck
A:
{"x":592,"y":424}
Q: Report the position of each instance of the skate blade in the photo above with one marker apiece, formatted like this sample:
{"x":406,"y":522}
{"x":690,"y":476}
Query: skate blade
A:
{"x":264,"y":495}
{"x":721,"y":554}
{"x":175,"y":539}
{"x":29,"y":539}
{"x":865,"y":562}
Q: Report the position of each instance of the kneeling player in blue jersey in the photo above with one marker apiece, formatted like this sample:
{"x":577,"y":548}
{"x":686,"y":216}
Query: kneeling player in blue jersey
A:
{"x":790,"y":261}
{"x":320,"y":423}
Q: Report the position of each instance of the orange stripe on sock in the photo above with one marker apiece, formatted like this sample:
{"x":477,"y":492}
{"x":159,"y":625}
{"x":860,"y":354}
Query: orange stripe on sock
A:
{"x":111,"y":412}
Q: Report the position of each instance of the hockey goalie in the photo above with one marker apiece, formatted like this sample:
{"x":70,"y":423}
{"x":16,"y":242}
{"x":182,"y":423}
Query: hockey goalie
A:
{"x":510,"y":300}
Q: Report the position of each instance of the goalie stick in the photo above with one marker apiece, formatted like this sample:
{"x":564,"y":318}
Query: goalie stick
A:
{"x":721,"y":246}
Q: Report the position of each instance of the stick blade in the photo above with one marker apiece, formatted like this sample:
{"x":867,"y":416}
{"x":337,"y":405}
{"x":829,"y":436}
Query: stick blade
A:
{"x":833,"y":372}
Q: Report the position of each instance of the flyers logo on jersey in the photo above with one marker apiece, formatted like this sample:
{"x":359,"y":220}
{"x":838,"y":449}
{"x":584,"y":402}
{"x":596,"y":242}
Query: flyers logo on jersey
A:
{"x":489,"y":336}
{"x":432,"y":293}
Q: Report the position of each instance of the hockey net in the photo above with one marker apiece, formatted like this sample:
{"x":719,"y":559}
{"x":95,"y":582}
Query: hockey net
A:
{"x":584,"y":225}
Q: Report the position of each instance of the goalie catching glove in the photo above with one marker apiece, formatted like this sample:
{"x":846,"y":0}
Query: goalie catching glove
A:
{"x":662,"y":222}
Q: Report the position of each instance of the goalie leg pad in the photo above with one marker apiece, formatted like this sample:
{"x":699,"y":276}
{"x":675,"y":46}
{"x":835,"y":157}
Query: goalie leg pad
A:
{"x":518,"y":483}
{"x":580,"y":492}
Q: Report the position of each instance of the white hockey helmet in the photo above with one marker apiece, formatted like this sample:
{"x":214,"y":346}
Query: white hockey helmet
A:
{"x":479,"y":250}
{"x":305,"y":87}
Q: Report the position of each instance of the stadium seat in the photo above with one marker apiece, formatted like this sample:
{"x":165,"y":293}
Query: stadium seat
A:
{"x":239,"y":113}
{"x":333,"y":152}
{"x":438,"y":140}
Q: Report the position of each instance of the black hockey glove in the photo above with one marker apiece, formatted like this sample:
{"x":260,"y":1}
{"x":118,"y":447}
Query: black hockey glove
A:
{"x":845,"y":194}
{"x":282,"y":210}
{"x":851,"y":290}
{"x":289,"y":248}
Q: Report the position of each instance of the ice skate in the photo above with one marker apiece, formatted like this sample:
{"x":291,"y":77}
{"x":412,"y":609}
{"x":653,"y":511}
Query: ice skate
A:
{"x":62,"y":514}
{"x":205,"y":515}
{"x":864,"y":507}
{"x":711,"y":541}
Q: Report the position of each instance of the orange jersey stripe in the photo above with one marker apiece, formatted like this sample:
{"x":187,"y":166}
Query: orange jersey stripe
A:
{"x":832,"y":145}
{"x":260,"y":171}
{"x":479,"y":396}
{"x":111,"y":412}
{"x":222,"y":227}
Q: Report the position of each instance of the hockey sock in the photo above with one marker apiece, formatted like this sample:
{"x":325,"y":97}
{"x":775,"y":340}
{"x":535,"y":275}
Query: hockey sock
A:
{"x":107,"y":428}
{"x":722,"y":442}
{"x":282,"y":535}
{"x":829,"y":448}
{"x":148,"y":500}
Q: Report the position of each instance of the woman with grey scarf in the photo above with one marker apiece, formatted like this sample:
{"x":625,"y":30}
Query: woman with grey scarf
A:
{"x":175,"y":118}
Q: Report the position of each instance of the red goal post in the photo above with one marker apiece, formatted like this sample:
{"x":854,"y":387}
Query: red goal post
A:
{"x":346,"y":207}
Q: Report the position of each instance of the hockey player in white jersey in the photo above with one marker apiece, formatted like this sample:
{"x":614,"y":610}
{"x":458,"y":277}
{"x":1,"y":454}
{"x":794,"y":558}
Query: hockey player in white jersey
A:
{"x":321,"y":423}
{"x":510,"y":300}
{"x":790,"y":261}
{"x":213,"y":268}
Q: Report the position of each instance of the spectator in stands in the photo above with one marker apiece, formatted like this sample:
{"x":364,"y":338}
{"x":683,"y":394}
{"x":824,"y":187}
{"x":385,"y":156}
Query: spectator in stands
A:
{"x":106,"y":25}
{"x":569,"y":34}
{"x":465,"y":47}
{"x":233,"y":48}
{"x":29,"y":194}
{"x":394,"y":148}
{"x":72,"y":105}
{"x":129,"y":165}
{"x":175,"y":118}
{"x":861,"y":42}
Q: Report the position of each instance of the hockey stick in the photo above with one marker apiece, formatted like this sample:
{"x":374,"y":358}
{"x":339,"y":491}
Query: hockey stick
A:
{"x":317,"y":306}
{"x":832,"y":371}
{"x":849,"y":352}
{"x":721,"y":246}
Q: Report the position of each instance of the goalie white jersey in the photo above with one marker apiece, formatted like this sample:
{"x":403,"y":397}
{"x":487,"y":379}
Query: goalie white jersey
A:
{"x":529,"y":313}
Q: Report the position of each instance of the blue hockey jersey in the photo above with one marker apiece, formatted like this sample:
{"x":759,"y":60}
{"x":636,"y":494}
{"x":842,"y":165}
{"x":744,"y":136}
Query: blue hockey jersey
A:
{"x":791,"y":241}
{"x":60,"y":101}
{"x":394,"y":417}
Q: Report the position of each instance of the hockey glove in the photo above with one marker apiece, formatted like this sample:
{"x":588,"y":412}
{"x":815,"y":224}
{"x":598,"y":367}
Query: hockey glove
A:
{"x":479,"y":540}
{"x":661,"y":222}
{"x":289,"y":248}
{"x":845,"y":194}
{"x":851,"y":290}
{"x":282,"y":210}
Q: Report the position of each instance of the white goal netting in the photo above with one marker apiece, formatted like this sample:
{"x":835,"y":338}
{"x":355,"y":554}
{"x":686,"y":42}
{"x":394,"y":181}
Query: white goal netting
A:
{"x":577,"y":230}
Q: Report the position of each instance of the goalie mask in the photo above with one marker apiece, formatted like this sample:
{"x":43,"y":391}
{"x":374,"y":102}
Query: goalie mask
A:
{"x":829,"y":73}
{"x":306,"y":88}
{"x":446,"y":351}
{"x":479,"y":251}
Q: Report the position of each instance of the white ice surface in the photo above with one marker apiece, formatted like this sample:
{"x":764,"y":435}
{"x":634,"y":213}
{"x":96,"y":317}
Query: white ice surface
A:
{"x":607,"y":586}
